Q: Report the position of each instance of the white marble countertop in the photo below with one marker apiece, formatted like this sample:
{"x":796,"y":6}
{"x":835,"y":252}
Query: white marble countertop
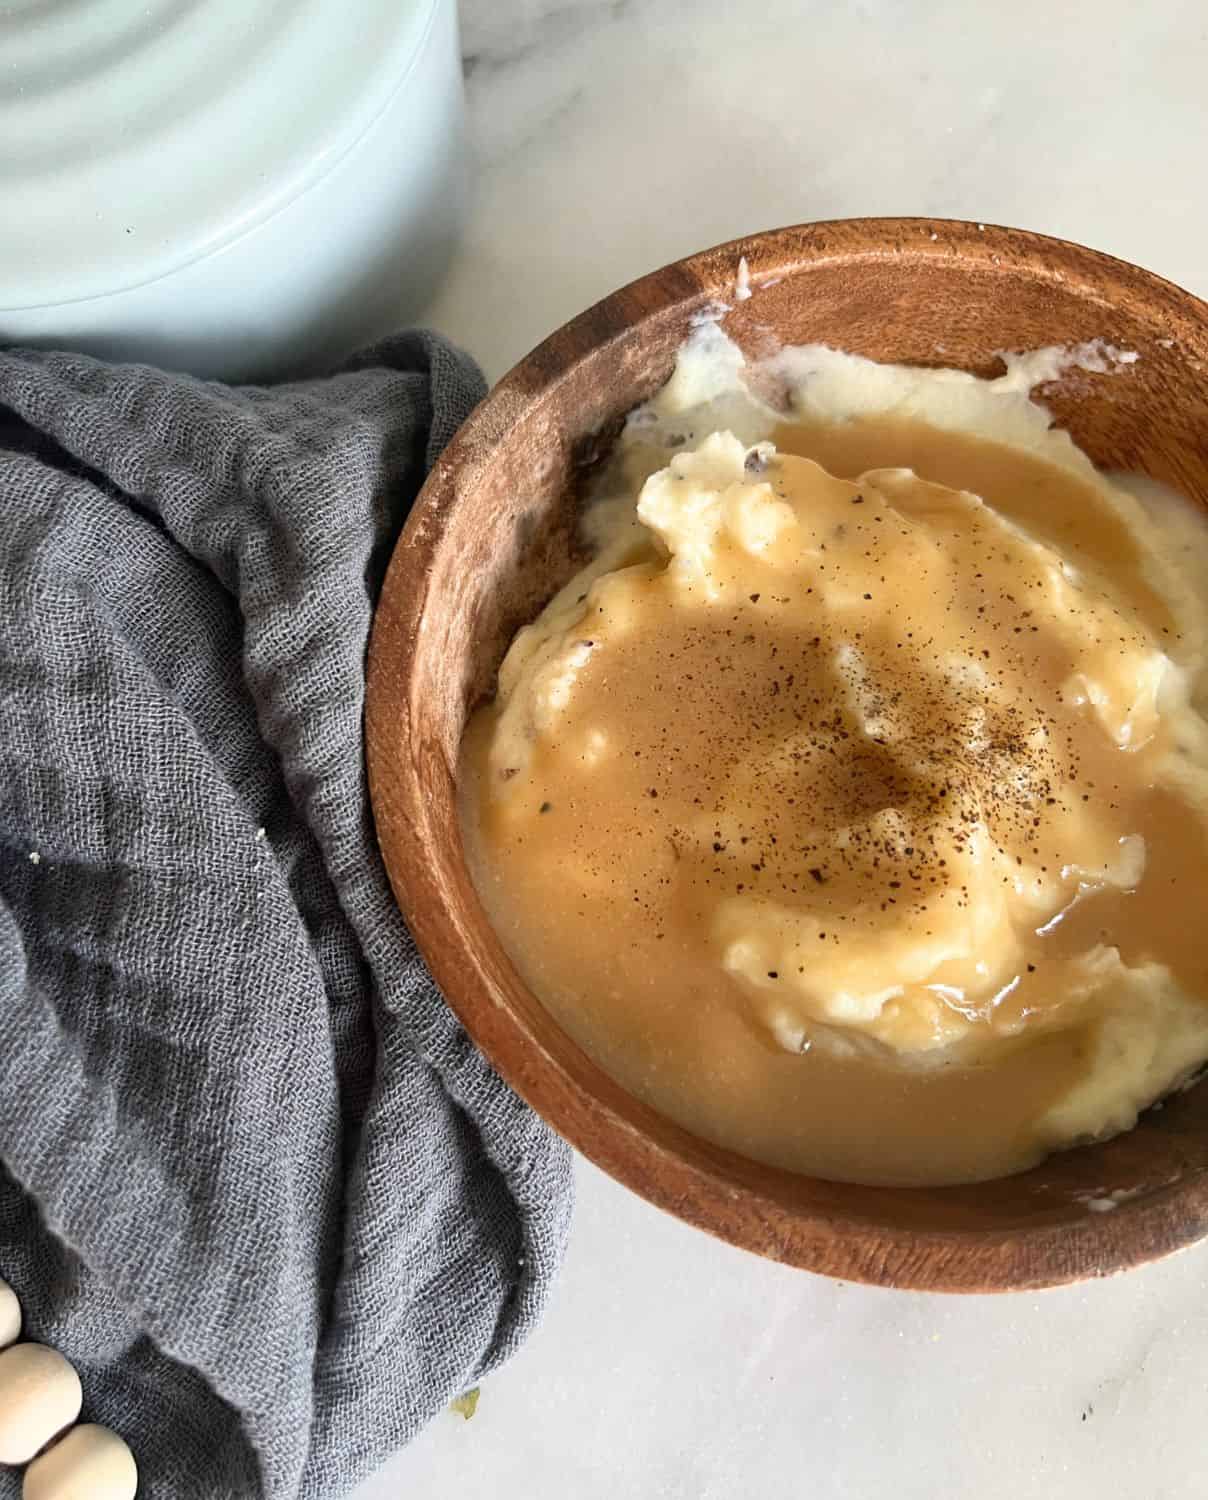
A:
{"x":611,"y":138}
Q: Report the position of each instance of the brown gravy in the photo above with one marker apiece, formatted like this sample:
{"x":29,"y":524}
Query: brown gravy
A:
{"x":599,"y":895}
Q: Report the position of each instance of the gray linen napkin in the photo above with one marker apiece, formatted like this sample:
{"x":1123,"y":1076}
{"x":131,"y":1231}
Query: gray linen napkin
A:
{"x":256,"y":1183}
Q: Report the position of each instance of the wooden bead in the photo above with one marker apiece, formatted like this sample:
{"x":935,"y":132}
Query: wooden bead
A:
{"x":39,"y":1396}
{"x":10,"y":1316}
{"x":89,"y":1463}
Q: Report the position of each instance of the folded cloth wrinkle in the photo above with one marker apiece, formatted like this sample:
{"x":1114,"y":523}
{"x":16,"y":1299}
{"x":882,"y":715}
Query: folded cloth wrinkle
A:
{"x":255,"y":1182}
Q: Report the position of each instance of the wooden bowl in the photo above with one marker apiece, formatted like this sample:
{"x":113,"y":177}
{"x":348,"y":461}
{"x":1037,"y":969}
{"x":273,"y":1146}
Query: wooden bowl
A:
{"x":490,"y":539}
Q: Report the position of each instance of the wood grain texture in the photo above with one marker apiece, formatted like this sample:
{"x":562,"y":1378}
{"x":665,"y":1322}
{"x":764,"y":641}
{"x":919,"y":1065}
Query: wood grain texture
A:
{"x":492,"y":537}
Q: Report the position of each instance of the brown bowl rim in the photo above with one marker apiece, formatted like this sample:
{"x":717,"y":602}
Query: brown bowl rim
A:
{"x":698,"y":1184}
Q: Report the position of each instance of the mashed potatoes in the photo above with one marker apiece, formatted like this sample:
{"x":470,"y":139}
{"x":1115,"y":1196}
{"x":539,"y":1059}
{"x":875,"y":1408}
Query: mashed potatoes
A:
{"x":862,"y":782}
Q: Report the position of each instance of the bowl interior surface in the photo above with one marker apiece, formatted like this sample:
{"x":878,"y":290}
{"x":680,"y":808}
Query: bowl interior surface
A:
{"x":493,"y":535}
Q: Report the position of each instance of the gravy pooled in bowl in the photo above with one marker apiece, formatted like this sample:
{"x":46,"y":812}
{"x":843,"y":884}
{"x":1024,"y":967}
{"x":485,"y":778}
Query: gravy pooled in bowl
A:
{"x":849,"y":807}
